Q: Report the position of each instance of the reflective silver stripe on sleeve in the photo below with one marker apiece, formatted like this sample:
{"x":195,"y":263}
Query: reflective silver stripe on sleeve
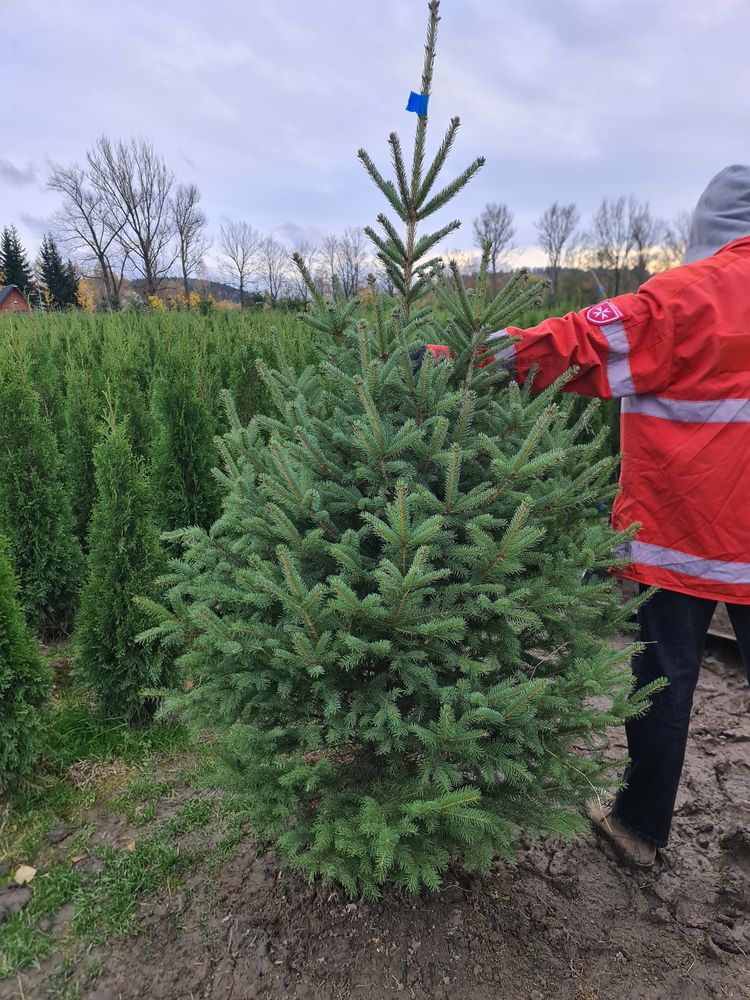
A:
{"x":618,"y":361}
{"x":507,"y":356}
{"x":682,"y":562}
{"x":691,"y":411}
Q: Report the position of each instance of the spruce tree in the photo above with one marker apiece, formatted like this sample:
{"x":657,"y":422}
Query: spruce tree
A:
{"x":58,"y":277}
{"x":14,"y":262}
{"x":71,"y":285}
{"x":25,"y":682}
{"x":35,"y":511}
{"x":393,"y":628}
{"x":125,"y":557}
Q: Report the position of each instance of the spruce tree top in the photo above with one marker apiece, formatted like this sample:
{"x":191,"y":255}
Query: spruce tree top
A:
{"x":390,"y":627}
{"x":14,"y":263}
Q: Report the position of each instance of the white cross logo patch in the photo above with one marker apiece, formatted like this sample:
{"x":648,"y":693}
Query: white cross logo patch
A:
{"x":604,"y":313}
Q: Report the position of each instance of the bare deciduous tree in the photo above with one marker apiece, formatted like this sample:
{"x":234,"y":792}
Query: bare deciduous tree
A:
{"x":383,"y":279}
{"x":646,"y":234}
{"x":466,"y":260}
{"x":239,"y":244}
{"x":496,"y":225}
{"x":190,"y":225}
{"x":676,"y":235}
{"x":309,"y":255}
{"x":329,"y":263}
{"x":135,"y":186}
{"x":556,"y":227}
{"x":87,"y":229}
{"x":273,"y":264}
{"x":610,"y":240}
{"x":352,"y":254}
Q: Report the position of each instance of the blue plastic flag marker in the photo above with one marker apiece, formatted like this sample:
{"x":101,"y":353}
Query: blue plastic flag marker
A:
{"x":418,"y":103}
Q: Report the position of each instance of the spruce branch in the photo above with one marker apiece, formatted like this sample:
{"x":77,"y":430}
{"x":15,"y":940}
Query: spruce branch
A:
{"x":308,"y":280}
{"x":451,"y":190}
{"x":388,"y":248}
{"x":387,"y":187}
{"x":426,"y":243}
{"x":397,"y":157}
{"x":392,"y":233}
{"x":438,"y":163}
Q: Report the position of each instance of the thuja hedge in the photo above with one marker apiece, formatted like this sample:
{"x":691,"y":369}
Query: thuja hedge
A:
{"x":162,"y":375}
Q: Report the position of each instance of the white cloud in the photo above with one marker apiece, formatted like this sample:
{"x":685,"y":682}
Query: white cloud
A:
{"x":264,"y":105}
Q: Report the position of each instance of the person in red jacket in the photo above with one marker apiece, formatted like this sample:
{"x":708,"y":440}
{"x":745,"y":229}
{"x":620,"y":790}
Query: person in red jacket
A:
{"x":677,"y":353}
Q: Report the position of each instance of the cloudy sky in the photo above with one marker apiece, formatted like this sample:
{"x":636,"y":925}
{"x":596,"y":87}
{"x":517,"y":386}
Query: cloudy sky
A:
{"x":264,"y":104}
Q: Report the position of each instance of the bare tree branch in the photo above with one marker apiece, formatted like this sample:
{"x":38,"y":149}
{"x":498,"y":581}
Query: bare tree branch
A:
{"x":610,"y":241}
{"x":646,"y":235}
{"x":676,"y":234}
{"x":239,"y":244}
{"x":190,"y":225}
{"x":496,"y":225}
{"x":309,"y":255}
{"x":329,"y":263}
{"x":135,"y":186}
{"x":467,"y":261}
{"x":352,"y":254}
{"x":557,"y":228}
{"x":273,"y":264}
{"x":87,"y":229}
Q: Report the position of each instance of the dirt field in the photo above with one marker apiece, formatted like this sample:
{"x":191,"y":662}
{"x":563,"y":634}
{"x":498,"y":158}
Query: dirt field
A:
{"x":569,"y":923}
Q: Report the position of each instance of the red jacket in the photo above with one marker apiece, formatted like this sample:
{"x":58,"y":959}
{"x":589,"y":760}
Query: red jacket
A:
{"x":678,"y":354}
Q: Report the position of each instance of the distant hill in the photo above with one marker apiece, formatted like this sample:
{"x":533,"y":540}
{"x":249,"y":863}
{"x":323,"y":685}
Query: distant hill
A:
{"x":218,"y":290}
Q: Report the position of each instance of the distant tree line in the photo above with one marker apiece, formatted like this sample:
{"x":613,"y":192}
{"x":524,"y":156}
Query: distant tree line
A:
{"x":622,"y":246}
{"x":51,"y":283}
{"x":126,"y":222}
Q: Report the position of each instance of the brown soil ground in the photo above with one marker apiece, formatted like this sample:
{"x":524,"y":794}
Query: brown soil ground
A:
{"x":570,"y":922}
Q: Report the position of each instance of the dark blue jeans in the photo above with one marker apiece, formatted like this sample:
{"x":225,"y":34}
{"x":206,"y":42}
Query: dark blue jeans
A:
{"x":675,"y":627}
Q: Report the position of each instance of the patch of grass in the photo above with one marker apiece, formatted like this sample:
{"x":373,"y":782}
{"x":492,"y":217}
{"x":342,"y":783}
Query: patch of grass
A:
{"x":61,"y":988}
{"x":109,"y":904}
{"x":106,"y":901}
{"x":146,"y":790}
{"x":138,"y":801}
{"x":92,"y":764}
{"x":81,"y":966}
{"x":79,"y":733}
{"x":234,"y":817}
{"x":192,"y":815}
{"x":31,"y":813}
{"x":21,"y":940}
{"x":83,"y":753}
{"x":80,"y":841}
{"x":21,"y":944}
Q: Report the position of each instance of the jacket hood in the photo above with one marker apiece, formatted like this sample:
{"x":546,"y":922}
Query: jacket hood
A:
{"x":722,"y":213}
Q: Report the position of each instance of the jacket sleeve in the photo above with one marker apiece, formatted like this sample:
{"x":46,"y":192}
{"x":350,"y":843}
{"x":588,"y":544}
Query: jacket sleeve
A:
{"x":620,"y":347}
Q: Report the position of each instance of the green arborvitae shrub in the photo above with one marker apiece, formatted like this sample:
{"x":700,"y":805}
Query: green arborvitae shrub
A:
{"x":129,"y":366}
{"x":25,"y":682}
{"x":391,"y":628}
{"x":182,"y":454}
{"x":35,"y":511}
{"x":41,"y":365}
{"x":82,"y":415}
{"x":125,"y":557}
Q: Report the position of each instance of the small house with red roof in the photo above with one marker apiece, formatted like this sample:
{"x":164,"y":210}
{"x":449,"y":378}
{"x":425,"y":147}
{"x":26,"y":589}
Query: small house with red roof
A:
{"x":13,"y":300}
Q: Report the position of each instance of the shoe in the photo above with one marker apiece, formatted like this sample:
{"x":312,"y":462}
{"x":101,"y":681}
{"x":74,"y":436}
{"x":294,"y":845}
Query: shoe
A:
{"x":634,"y":850}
